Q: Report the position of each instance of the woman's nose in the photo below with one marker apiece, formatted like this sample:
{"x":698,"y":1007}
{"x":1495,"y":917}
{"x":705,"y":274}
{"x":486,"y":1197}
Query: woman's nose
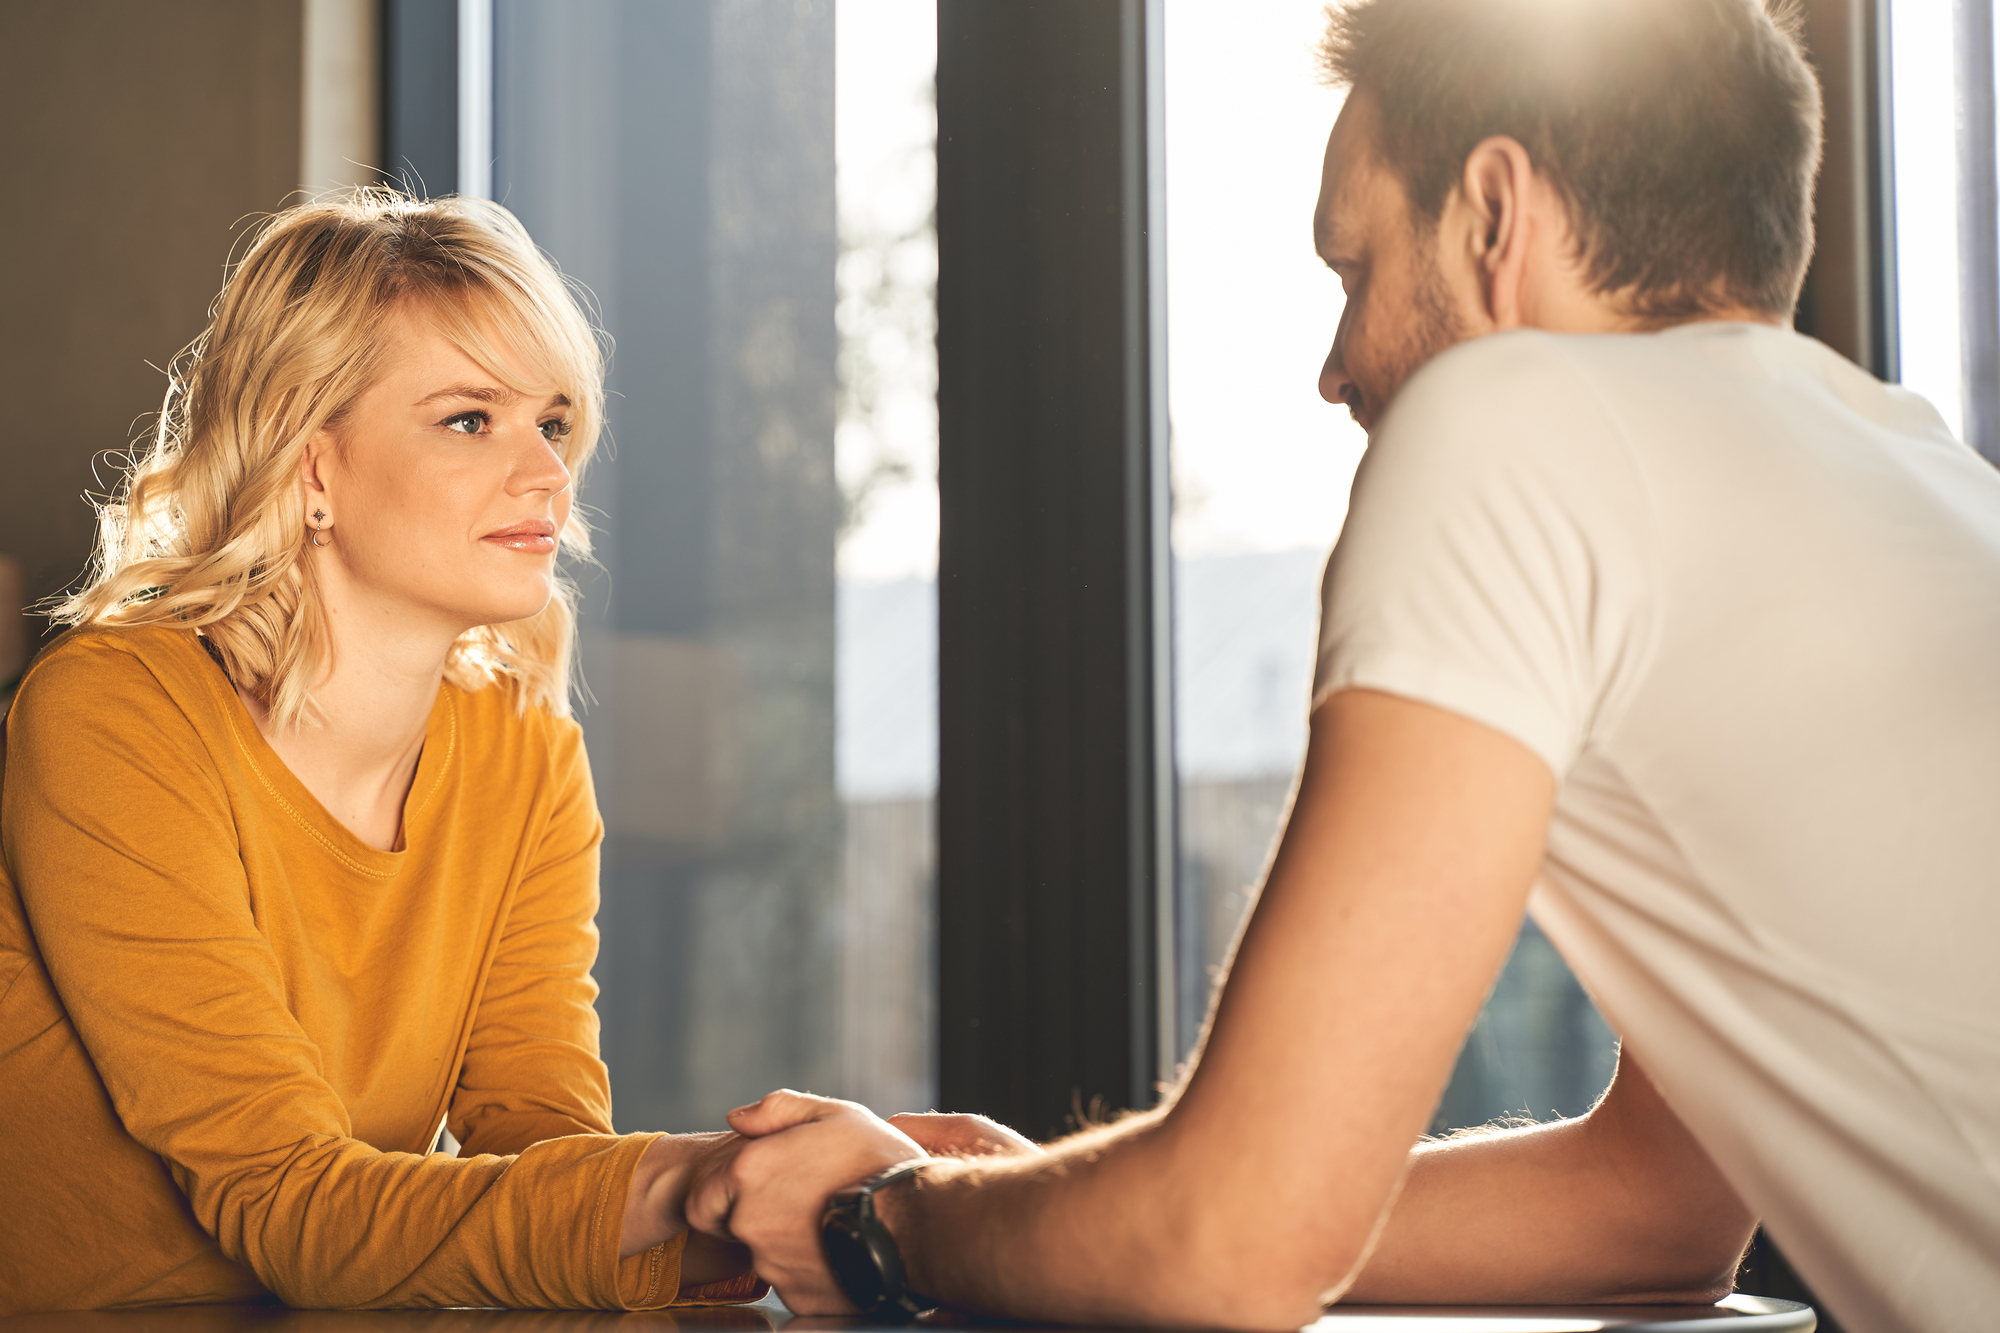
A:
{"x":540,"y":469}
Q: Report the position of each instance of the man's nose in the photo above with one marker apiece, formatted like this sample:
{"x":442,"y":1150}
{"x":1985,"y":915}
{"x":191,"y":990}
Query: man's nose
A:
{"x":1334,"y":385}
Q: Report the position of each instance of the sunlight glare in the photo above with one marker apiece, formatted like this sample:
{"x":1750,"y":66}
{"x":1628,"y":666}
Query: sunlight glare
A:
{"x":1926,"y":186}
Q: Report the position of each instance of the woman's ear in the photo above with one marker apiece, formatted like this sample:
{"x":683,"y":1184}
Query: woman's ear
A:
{"x":312,"y":463}
{"x":1497,"y":188}
{"x":313,"y":459}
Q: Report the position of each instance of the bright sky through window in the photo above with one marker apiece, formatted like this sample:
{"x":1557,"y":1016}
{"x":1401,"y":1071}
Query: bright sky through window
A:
{"x":1926,"y":181}
{"x":1260,"y":462}
{"x":885,"y":137}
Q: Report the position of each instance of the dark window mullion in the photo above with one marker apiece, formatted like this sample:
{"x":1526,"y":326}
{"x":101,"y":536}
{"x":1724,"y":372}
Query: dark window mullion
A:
{"x":1055,"y":760}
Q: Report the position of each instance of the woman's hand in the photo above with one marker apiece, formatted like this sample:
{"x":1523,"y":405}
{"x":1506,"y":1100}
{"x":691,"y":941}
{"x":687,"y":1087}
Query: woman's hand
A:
{"x":654,"y":1202}
{"x":771,"y":1192}
{"x":945,"y":1135}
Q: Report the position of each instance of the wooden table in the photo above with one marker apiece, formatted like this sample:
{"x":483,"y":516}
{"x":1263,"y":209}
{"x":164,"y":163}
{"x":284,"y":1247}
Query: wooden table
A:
{"x":1743,"y":1314}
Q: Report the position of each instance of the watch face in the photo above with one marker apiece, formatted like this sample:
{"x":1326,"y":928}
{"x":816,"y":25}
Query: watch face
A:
{"x":847,"y":1254}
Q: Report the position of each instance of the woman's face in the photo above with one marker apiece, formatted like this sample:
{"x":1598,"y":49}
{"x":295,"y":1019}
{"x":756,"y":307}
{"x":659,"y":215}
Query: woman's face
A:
{"x":442,"y":489}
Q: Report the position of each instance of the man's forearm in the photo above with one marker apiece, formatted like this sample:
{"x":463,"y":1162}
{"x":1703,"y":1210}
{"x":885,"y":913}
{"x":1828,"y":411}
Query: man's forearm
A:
{"x":1072,"y":1224}
{"x":1389,"y":907}
{"x":1136,"y":1223}
{"x":1619,"y":1205}
{"x":1392,"y":899}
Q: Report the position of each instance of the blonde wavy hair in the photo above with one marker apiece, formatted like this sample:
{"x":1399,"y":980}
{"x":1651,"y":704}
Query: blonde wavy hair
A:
{"x":206,"y":531}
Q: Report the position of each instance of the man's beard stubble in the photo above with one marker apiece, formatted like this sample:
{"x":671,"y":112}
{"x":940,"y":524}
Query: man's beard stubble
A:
{"x":1434,"y":327}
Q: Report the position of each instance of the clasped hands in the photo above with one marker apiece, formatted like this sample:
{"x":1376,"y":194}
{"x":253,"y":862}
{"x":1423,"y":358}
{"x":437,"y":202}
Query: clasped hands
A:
{"x":764,"y":1186}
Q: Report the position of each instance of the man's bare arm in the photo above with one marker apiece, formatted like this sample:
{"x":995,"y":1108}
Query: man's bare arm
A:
{"x":1621,"y":1204}
{"x":1255,"y":1196}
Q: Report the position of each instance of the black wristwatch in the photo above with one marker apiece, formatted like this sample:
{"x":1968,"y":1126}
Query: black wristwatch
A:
{"x":862,"y":1253}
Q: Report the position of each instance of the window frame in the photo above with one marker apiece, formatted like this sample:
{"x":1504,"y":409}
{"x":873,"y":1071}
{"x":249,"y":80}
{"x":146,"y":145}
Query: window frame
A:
{"x":1056,"y":843}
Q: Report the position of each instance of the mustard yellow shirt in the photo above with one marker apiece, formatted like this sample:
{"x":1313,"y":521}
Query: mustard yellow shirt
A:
{"x":230,"y":1029}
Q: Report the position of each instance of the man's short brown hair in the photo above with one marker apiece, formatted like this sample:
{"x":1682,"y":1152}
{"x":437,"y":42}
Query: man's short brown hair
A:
{"x":1684,"y":134}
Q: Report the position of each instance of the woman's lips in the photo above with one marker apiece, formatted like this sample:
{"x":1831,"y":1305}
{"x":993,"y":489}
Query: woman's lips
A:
{"x":536,"y":538}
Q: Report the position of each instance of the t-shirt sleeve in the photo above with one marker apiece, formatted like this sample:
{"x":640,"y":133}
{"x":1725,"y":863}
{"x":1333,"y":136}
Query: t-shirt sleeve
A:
{"x":1497,"y":559}
{"x":532,"y":1069}
{"x":120,"y":839}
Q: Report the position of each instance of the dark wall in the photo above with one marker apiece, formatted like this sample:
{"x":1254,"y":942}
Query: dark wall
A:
{"x":142,"y":139}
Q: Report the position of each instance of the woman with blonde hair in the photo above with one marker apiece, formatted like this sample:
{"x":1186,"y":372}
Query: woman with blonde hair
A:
{"x":300,"y":847}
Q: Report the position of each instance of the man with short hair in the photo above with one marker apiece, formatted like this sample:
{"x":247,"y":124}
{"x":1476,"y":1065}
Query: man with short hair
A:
{"x":1649,"y":614}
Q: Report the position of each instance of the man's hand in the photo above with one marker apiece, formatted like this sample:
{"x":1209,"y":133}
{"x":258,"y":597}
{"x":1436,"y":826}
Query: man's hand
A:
{"x":961,"y":1135}
{"x":771,"y":1193}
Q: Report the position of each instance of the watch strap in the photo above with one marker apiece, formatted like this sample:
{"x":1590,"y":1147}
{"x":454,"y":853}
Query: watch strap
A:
{"x":863,"y":1254}
{"x":889,"y":1176}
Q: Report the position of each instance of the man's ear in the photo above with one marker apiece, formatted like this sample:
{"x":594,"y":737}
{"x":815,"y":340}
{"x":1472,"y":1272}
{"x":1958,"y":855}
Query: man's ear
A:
{"x":1497,"y":190}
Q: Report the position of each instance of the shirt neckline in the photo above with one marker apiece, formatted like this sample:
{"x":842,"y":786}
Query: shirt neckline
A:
{"x":297,"y":801}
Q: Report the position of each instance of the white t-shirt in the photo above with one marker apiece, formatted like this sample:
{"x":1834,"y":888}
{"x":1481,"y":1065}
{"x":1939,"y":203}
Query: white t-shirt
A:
{"x":1745,"y":601}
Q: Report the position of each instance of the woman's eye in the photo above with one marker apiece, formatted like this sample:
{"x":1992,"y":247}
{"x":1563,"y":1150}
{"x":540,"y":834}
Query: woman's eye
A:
{"x":554,"y":429}
{"x":466,"y":423}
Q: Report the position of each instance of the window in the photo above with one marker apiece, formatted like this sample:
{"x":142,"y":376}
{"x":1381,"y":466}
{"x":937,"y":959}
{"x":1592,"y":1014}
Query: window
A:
{"x":1261,"y":470}
{"x":752,"y":201}
{"x":885,"y":455}
{"x":742,"y":192}
{"x":1946,"y":258}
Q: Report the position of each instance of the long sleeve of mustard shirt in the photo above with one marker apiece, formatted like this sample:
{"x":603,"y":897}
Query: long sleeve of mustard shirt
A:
{"x":229,"y":1029}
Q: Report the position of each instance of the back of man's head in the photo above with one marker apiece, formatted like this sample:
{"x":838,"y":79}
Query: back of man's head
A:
{"x":1684,"y":134}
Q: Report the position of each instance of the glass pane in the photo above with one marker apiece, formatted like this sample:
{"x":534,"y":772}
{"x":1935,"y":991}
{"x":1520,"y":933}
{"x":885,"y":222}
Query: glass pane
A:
{"x":1260,"y":465}
{"x":680,"y":161}
{"x":1944,"y":172}
{"x":885,"y":454}
{"x":1262,"y":468}
{"x":1926,"y":185}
